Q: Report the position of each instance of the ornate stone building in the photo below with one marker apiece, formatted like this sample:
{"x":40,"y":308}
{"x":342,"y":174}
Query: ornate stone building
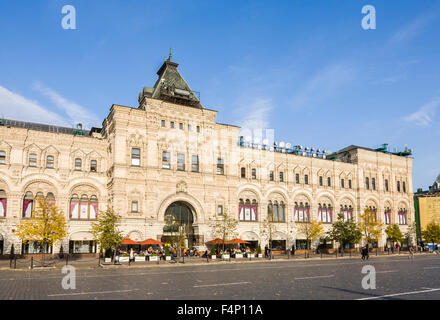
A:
{"x":170,"y":160}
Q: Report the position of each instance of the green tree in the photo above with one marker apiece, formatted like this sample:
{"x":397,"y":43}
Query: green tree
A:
{"x":371,"y":228}
{"x":46,"y":227}
{"x":432,"y":233}
{"x":311,"y":230}
{"x":394,"y":234}
{"x":345,"y":232}
{"x":106,"y":231}
{"x":225,"y":227}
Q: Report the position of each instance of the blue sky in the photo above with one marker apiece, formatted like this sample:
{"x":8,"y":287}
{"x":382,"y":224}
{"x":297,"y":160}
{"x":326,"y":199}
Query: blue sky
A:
{"x":305,"y":68}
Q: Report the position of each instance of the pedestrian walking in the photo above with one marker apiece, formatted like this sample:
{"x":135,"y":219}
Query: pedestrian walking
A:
{"x":118,"y":253}
{"x":131,"y":255}
{"x":293,"y":249}
{"x":363,"y":253}
{"x":411,"y":253}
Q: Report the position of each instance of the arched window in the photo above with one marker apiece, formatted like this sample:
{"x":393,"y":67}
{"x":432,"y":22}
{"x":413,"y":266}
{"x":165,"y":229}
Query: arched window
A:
{"x":402,"y":216}
{"x":325,"y":213}
{"x":387,"y":213}
{"x":84,"y":208}
{"x":367,"y":183}
{"x":2,"y":204}
{"x":275,"y":211}
{"x":28,"y":203}
{"x":373,"y":212}
{"x":373,"y":183}
{"x":247,"y":210}
{"x":301,"y":212}
{"x":347,"y":211}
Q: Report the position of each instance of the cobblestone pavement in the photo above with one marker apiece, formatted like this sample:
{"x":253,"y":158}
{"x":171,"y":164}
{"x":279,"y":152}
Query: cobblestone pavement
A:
{"x":398,"y":277}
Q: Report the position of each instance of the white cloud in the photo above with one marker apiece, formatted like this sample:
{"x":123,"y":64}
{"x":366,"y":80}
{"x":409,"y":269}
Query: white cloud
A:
{"x":322,"y":86}
{"x":413,"y":28}
{"x":256,"y":114}
{"x":75,"y":112}
{"x":424,"y":116}
{"x":16,"y":107}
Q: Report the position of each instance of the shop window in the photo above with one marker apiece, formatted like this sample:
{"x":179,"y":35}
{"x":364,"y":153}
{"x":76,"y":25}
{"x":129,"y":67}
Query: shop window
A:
{"x":34,"y":247}
{"x":82,"y":246}
{"x":135,"y":157}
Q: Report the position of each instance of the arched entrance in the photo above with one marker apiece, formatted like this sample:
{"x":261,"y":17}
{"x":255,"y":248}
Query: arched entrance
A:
{"x":179,"y":219}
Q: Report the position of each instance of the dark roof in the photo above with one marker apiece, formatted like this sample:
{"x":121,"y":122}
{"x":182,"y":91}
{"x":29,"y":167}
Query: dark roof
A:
{"x":170,"y":86}
{"x":44,"y":127}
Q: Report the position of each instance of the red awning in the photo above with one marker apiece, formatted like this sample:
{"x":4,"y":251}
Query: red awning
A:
{"x":129,"y":241}
{"x":151,"y":241}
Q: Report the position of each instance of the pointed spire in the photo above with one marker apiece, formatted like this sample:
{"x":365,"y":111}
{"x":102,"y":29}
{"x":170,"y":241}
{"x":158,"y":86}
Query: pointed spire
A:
{"x":169,"y":58}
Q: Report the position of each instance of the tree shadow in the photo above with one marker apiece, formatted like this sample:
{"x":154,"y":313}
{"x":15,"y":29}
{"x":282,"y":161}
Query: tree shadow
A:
{"x":361,"y":293}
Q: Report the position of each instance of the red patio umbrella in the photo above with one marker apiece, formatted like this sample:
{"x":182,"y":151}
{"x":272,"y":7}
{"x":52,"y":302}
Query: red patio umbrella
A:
{"x":151,"y":241}
{"x":129,"y":241}
{"x":216,"y":241}
{"x":236,"y":241}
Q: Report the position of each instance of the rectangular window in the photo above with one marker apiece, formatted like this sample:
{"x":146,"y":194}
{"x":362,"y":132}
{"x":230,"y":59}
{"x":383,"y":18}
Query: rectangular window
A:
{"x":387,"y":217}
{"x":281,"y":176}
{"x":198,"y":129}
{"x":195,"y":163}
{"x":403,"y":186}
{"x":189,"y":127}
{"x":386,"y":185}
{"x":297,"y":178}
{"x":329,"y":182}
{"x":254,"y":174}
{"x":135,"y":157}
{"x":32,"y":160}
{"x":181,"y":126}
{"x":162,"y":123}
{"x":373,"y":183}
{"x":306,"y":179}
{"x":367,"y":183}
{"x":398,"y":186}
{"x":342,"y":183}
{"x":49,"y":162}
{"x":181,"y":162}
{"x":220,"y":166}
{"x":349,"y":184}
{"x":271,"y":175}
{"x":134,"y":206}
{"x":172,"y":124}
{"x":93,"y":165}
{"x":2,"y":157}
{"x":78,"y":164}
{"x":166,"y":160}
{"x":219,"y":210}
{"x":243,"y":172}
{"x":320,"y":181}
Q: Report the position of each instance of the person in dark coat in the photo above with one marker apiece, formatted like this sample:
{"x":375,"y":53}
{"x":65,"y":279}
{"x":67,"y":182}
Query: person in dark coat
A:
{"x":293,"y":249}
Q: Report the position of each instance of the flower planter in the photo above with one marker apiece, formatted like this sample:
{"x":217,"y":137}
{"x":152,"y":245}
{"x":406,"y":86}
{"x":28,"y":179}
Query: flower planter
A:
{"x":238,"y":256}
{"x":154,"y":258}
{"x":251,"y":255}
{"x":260,"y":255}
{"x":213,"y":257}
{"x":168,"y":258}
{"x":107,"y":260}
{"x":124,"y":259}
{"x":139,"y":258}
{"x":226,"y":256}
